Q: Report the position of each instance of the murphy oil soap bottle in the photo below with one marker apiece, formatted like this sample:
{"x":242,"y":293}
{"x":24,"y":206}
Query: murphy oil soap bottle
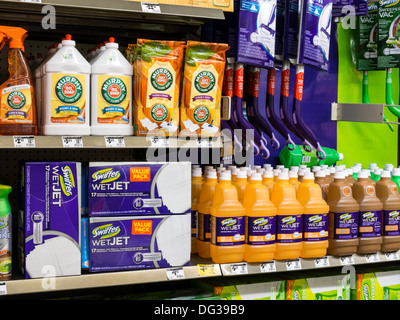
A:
{"x":111,"y":93}
{"x":387,"y":191}
{"x":260,"y":222}
{"x":289,"y":219}
{"x":315,"y":218}
{"x":5,"y":234}
{"x":203,"y":213}
{"x":227,"y":223}
{"x":370,"y":217}
{"x":66,"y":92}
{"x":18,"y":114}
{"x":343,"y":218}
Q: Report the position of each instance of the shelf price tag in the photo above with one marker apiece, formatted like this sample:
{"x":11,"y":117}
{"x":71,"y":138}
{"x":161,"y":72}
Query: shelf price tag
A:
{"x":72,"y":142}
{"x":269,"y":266}
{"x":346,"y":260}
{"x":3,"y":288}
{"x":239,"y":268}
{"x":322,"y":262}
{"x":372,"y":257}
{"x":151,"y":7}
{"x":24,"y":141}
{"x":293,"y":264}
{"x":114,"y":142}
{"x":204,"y":143}
{"x":175,"y":273}
{"x":206,"y":270}
{"x":159,"y":142}
{"x":391,"y":256}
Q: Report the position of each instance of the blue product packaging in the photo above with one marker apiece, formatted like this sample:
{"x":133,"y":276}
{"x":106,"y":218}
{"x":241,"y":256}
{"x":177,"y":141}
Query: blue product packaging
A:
{"x":357,"y":8}
{"x":291,"y":33}
{"x":50,"y":227}
{"x":85,"y":242}
{"x":139,"y":188}
{"x":315,"y":33}
{"x":280,"y":27}
{"x":256,"y":33}
{"x":139,"y":242}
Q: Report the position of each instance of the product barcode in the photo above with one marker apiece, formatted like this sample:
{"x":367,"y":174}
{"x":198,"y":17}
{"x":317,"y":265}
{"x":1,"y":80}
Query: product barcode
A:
{"x":159,"y":142}
{"x":24,"y":141}
{"x":239,"y":268}
{"x":268,"y":266}
{"x":115,"y":142}
{"x":33,"y":1}
{"x":204,"y":143}
{"x":72,"y":142}
{"x":306,"y":159}
{"x":150,"y":7}
{"x":346,"y":260}
{"x":3,"y":288}
{"x":391,"y":256}
{"x":372,"y":257}
{"x":293,"y":265}
{"x":175,"y":273}
{"x":322,"y":262}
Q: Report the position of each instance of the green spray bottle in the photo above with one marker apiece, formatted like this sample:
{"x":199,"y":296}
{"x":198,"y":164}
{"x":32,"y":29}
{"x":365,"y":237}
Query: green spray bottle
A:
{"x":299,"y":156}
{"x":5,"y":233}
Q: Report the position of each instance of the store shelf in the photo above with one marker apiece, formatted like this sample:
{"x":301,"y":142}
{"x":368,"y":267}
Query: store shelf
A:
{"x":199,"y":268}
{"x":55,"y":142}
{"x":232,"y":269}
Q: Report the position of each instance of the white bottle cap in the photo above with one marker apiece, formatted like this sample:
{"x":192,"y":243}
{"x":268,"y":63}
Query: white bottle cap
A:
{"x":256,"y":167}
{"x":293,"y":174}
{"x":285,"y":170}
{"x":196,"y":172}
{"x":340,"y":156}
{"x":388,"y":167}
{"x":339,"y":175}
{"x":316,"y":168}
{"x":324,"y":167}
{"x":294,"y":168}
{"x":320,"y":174}
{"x":241,"y":175}
{"x":68,"y":41}
{"x":279,"y":166}
{"x":276,"y":172}
{"x":211,"y":174}
{"x":385,"y":174}
{"x":256,"y":176}
{"x":396,"y":171}
{"x":225,"y":175}
{"x":260,"y":170}
{"x":267,"y":165}
{"x":377,"y":171}
{"x":268,"y":174}
{"x":302,"y":166}
{"x":308,"y":176}
{"x":244,"y":169}
{"x":111,"y":44}
{"x":363,"y":175}
{"x":283,"y":176}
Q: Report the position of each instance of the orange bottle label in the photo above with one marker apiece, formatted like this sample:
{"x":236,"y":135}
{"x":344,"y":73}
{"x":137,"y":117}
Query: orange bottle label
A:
{"x":16,"y":104}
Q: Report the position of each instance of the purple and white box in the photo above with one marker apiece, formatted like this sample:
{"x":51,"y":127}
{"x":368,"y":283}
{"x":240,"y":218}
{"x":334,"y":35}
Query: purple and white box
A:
{"x":50,"y":223}
{"x":139,"y":188}
{"x":139,"y":242}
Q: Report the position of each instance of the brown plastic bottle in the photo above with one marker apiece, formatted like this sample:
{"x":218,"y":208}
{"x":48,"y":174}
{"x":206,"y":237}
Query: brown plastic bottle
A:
{"x":370,"y":217}
{"x":323,"y":181}
{"x":343,"y":218}
{"x":388,"y":192}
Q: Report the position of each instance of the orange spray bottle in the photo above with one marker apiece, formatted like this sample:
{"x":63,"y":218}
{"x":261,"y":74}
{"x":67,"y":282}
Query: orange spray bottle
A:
{"x":315,"y":218}
{"x":289,"y":219}
{"x":227,"y":223}
{"x":18,"y":103}
{"x":260,"y":222}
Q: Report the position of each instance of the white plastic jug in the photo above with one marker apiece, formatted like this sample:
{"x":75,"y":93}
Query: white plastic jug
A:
{"x":66,"y":92}
{"x":111,"y":79}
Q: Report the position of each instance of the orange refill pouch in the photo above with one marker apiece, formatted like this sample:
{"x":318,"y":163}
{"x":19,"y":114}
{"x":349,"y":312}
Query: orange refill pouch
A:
{"x":202,"y":89}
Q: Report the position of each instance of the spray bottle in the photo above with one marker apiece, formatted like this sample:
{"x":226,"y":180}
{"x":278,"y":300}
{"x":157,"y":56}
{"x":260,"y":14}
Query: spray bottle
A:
{"x":18,"y":103}
{"x":5,"y":233}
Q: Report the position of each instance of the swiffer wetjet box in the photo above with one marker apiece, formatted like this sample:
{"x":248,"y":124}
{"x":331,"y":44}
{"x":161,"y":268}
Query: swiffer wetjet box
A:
{"x":139,"y":242}
{"x":139,"y":188}
{"x":378,"y":286}
{"x":50,"y":221}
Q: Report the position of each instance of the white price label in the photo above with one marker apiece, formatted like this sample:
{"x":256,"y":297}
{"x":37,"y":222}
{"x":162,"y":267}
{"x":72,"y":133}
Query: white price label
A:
{"x":293,"y":264}
{"x":175,"y":273}
{"x":3,"y":288}
{"x":151,"y":7}
{"x":24,"y":141}
{"x":204,"y":143}
{"x":269,"y":266}
{"x":115,"y":142}
{"x":33,"y":1}
{"x":239,"y":268}
{"x":322,"y":262}
{"x":391,"y":256}
{"x":372,"y":257}
{"x":159,"y":142}
{"x":346,"y":260}
{"x":72,"y":142}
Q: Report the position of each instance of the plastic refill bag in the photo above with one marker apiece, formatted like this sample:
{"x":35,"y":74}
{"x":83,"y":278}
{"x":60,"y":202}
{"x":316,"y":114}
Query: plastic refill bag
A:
{"x":158,"y":72}
{"x":256,"y":33}
{"x":202,"y":89}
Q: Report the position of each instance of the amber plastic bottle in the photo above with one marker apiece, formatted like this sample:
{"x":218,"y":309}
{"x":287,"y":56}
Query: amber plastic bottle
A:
{"x":18,"y":114}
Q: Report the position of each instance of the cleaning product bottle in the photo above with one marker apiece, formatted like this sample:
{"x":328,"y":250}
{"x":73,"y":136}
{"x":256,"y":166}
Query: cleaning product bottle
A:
{"x":268,"y":180}
{"x":377,"y":174}
{"x":315,"y":218}
{"x":260,"y":222}
{"x":299,"y":156}
{"x":293,"y":180}
{"x":197,"y":181}
{"x":111,"y":80}
{"x":396,"y":176}
{"x":227,"y":223}
{"x":18,"y":115}
{"x":370,"y":217}
{"x":289,"y":219}
{"x":5,"y":234}
{"x":66,"y":92}
{"x":343,"y":218}
{"x":387,"y":191}
{"x":323,"y":181}
{"x":203,"y":213}
{"x":240,"y":184}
